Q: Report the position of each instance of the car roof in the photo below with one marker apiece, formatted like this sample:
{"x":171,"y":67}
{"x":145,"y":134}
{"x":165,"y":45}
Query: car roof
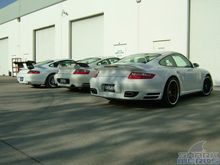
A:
{"x":161,"y":53}
{"x":103,"y":58}
{"x":45,"y":63}
{"x":56,"y":60}
{"x":165,"y":53}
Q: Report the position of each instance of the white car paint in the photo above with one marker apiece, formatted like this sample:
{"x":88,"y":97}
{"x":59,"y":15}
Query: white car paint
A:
{"x":44,"y":69}
{"x":190,"y":78}
{"x":69,"y":78}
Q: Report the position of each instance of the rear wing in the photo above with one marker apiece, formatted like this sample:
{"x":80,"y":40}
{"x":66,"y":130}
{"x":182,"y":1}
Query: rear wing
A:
{"x":75,"y":65}
{"x":84,"y":65}
{"x":25,"y":64}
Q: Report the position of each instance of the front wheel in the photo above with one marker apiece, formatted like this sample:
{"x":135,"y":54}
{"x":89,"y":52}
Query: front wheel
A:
{"x":207,"y":86}
{"x":171,"y":92}
{"x":50,"y":82}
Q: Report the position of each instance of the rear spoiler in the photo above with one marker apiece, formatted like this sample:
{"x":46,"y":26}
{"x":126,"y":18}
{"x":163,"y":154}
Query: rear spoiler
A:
{"x":82,"y":65}
{"x":29,"y":64}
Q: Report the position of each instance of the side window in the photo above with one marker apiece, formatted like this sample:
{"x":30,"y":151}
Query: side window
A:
{"x":66,"y":63}
{"x":113,"y":60}
{"x":54,"y":65}
{"x":181,"y":61}
{"x":62,"y":63}
{"x":168,"y":61}
{"x":141,"y":60}
{"x":103,"y":62}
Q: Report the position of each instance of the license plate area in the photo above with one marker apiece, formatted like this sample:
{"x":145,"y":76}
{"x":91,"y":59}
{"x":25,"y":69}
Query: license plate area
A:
{"x":109,"y":87}
{"x":21,"y":78}
{"x":64,"y":81}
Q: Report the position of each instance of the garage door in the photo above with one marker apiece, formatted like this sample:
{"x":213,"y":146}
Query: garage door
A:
{"x":205,"y":35}
{"x":88,"y":37}
{"x":45,"y":44}
{"x":4,"y":60}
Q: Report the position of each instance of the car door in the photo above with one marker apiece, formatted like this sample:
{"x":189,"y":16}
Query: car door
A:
{"x":187,"y":73}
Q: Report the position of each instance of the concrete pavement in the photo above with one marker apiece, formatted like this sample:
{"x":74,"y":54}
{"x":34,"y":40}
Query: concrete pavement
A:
{"x":59,"y":127}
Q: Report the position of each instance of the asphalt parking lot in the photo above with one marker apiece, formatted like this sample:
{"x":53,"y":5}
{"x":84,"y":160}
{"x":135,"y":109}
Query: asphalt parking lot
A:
{"x":59,"y":127}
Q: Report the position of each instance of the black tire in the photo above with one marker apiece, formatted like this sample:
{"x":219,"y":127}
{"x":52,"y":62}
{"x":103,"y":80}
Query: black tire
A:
{"x":207,"y":86}
{"x":35,"y":86}
{"x":171,"y":92}
{"x":50,"y":81}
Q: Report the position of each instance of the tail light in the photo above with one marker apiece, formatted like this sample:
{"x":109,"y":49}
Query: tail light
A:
{"x":139,"y":75}
{"x":33,"y":72}
{"x":81,"y":71}
{"x":96,"y":74}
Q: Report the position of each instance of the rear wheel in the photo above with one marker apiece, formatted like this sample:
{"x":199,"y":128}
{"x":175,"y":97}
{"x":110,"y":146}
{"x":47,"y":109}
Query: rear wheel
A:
{"x":207,"y":86}
{"x":50,"y":82}
{"x":171,"y":92}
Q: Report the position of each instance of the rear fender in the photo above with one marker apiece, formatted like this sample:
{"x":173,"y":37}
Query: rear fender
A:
{"x":173,"y":76}
{"x":48,"y":76}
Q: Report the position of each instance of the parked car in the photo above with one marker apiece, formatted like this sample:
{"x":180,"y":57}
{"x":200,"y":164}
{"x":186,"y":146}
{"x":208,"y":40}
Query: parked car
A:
{"x":79,"y":75}
{"x":98,"y":61}
{"x":42,"y":73}
{"x":151,"y":76}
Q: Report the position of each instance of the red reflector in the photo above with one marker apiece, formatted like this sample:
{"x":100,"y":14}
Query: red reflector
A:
{"x":139,"y":75}
{"x":81,"y":71}
{"x":33,"y":72}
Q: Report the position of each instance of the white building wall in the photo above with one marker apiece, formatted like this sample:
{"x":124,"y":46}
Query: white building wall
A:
{"x":120,"y":26}
{"x":87,"y":37}
{"x":205,"y":36}
{"x":45,"y":46}
{"x":4,"y":56}
{"x":163,"y":20}
{"x":10,"y":30}
{"x":133,"y":25}
{"x":40,"y":19}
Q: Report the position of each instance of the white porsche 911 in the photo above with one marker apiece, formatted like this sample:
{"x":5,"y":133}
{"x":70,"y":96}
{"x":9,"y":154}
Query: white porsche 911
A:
{"x":79,"y":75}
{"x":42,"y":73}
{"x":151,"y":76}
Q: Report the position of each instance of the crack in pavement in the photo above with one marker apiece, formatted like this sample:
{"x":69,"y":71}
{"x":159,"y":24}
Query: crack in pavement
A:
{"x":21,"y":152}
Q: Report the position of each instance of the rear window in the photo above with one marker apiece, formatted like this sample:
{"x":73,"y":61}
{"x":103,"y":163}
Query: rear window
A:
{"x":139,"y":58}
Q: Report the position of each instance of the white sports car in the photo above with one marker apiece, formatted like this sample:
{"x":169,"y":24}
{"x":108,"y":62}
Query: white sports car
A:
{"x":79,"y":75}
{"x":42,"y":73}
{"x":151,"y":76}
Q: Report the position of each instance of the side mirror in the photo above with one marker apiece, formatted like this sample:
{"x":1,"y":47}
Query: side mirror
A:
{"x":195,"y":65}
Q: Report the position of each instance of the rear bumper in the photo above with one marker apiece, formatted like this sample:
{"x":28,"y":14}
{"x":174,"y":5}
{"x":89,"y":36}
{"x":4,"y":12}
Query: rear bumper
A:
{"x":31,"y":79}
{"x":78,"y":81}
{"x":128,"y":89}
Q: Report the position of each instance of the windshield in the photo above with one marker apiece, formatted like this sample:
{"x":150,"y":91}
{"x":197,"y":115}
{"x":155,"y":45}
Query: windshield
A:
{"x":43,"y":62}
{"x":89,"y":60}
{"x":139,"y":58}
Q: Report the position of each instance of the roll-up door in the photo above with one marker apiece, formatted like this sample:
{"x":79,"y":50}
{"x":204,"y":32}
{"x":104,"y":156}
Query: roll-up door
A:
{"x":205,"y":36}
{"x":45,"y":44}
{"x":4,"y":59}
{"x":87,"y":37}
